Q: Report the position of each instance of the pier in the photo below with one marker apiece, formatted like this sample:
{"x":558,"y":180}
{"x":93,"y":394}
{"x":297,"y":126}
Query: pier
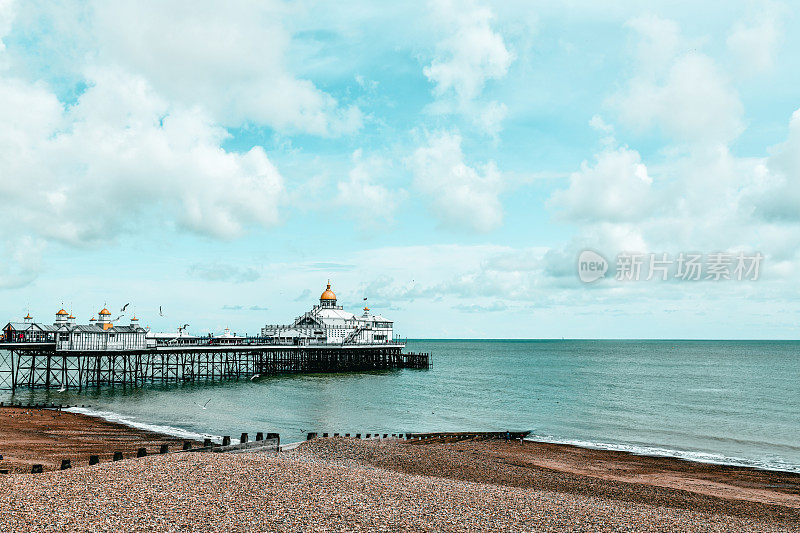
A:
{"x":40,"y":365}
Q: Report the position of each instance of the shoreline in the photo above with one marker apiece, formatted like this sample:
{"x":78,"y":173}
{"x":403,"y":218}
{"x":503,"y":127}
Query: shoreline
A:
{"x":709,"y":458}
{"x":121,"y":420}
{"x":706,"y":458}
{"x":31,"y":436}
{"x":703,"y":458}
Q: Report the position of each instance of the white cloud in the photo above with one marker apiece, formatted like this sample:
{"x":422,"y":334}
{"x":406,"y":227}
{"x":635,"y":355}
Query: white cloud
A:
{"x":755,"y":45}
{"x":490,"y":117}
{"x":236,"y":65}
{"x":120,"y":156}
{"x":223,"y":272}
{"x":370,"y":203}
{"x":616,"y":188}
{"x":778,"y":198}
{"x":20,"y":260}
{"x":6,"y":18}
{"x":469,"y":56}
{"x":660,"y":40}
{"x":678,"y":89}
{"x":708,"y":200}
{"x":461,"y":196}
{"x":232,"y":60}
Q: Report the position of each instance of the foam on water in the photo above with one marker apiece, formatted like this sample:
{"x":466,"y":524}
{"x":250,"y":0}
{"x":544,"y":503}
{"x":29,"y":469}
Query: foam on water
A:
{"x":156,"y":428}
{"x":653,"y":451}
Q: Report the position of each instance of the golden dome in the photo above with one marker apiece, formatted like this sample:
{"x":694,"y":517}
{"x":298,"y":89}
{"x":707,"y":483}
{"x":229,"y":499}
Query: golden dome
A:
{"x":71,"y":317}
{"x":328,"y":294}
{"x":61,"y":312}
{"x":92,"y":319}
{"x":28,"y":317}
{"x":134,"y":319}
{"x":105,"y":312}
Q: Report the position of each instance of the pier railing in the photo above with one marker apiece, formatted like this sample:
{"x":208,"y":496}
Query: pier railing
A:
{"x":208,"y":341}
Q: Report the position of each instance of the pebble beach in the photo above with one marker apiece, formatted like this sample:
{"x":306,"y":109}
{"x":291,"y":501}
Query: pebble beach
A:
{"x":345,"y":485}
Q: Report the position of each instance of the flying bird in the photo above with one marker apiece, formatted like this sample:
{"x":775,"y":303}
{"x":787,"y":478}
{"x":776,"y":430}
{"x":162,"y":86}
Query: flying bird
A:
{"x":185,"y":326}
{"x":204,"y":405}
{"x":124,"y":307}
{"x":160,"y":312}
{"x":365,"y":298}
{"x":255,"y":377}
{"x":120,"y":316}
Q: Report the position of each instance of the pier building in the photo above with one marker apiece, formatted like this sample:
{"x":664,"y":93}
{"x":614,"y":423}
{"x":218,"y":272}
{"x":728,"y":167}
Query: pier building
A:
{"x":329,"y":323}
{"x":65,"y":334}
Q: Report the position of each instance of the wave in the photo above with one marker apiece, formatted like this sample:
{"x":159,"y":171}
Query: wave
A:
{"x":776,"y":463}
{"x":156,"y":428}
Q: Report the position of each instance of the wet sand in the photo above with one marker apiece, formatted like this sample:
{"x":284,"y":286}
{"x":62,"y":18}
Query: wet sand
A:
{"x":348,"y":484}
{"x":45,"y":436}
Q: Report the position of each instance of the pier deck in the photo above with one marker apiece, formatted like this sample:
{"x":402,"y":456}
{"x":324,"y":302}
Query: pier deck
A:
{"x":40,"y":365}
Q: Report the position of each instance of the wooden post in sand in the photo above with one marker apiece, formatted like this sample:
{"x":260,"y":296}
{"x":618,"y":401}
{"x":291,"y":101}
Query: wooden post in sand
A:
{"x":65,"y":463}
{"x":141,"y":452}
{"x":164,"y":448}
{"x":187,"y":445}
{"x":207,"y":443}
{"x":37,"y":469}
{"x":311,"y":436}
{"x":260,"y":436}
{"x":243,"y":439}
{"x":94,"y":459}
{"x":226,"y":440}
{"x":117,"y":456}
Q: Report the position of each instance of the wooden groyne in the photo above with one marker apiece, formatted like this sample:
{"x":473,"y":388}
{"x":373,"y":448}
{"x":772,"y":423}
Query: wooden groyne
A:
{"x":39,"y":365}
{"x":427,"y":438}
{"x":261,"y":443}
{"x":272,"y":442}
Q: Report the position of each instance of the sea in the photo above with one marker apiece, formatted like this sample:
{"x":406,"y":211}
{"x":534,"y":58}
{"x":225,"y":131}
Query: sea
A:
{"x":727,"y":402}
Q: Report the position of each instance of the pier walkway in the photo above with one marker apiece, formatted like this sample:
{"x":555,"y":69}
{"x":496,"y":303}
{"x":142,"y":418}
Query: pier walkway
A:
{"x":41,"y":365}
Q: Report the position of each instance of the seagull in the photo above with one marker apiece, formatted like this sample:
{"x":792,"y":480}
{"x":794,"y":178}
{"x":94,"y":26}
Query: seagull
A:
{"x":255,"y":377}
{"x":185,"y":326}
{"x":120,"y":316}
{"x":160,"y":312}
{"x":204,"y":405}
{"x":62,"y":389}
{"x":124,"y":307}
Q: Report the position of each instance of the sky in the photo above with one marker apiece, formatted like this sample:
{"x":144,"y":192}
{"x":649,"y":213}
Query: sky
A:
{"x":448,"y":161}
